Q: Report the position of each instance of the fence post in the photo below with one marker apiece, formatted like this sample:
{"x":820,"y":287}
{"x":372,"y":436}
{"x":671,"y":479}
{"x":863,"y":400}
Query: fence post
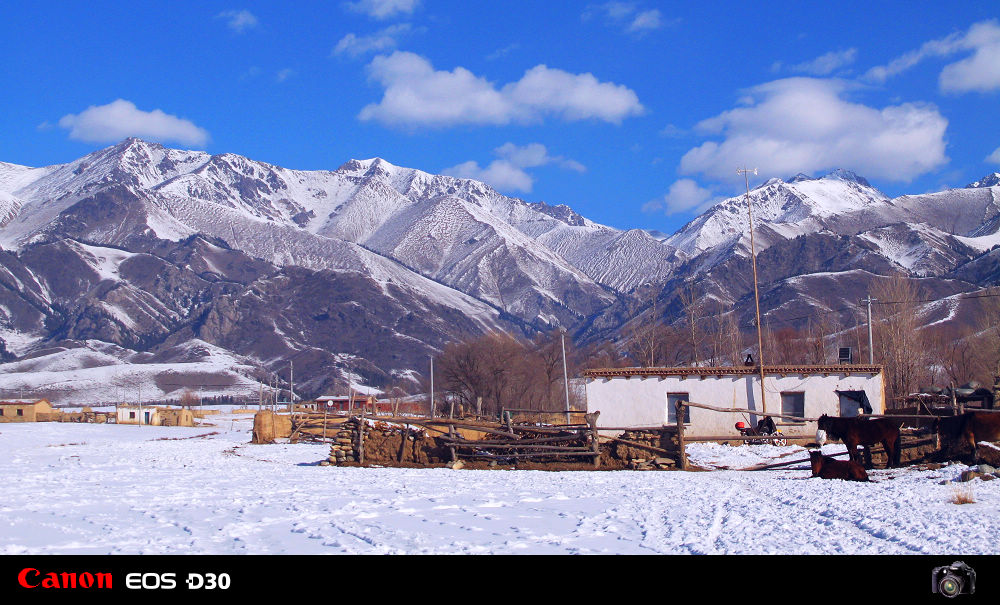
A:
{"x":453,"y":435}
{"x":361,"y":438}
{"x":682,"y":454}
{"x":595,"y":438}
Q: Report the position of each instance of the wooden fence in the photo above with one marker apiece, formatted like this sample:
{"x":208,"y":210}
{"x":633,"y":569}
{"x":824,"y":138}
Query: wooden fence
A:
{"x":682,"y":440}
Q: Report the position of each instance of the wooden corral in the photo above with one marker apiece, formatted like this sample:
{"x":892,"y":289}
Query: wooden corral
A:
{"x":269,"y":427}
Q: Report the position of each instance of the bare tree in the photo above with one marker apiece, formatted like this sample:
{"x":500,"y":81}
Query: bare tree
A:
{"x":692,"y":305}
{"x":901,"y":345}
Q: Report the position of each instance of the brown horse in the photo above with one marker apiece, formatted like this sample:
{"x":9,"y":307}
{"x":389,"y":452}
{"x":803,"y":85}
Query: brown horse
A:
{"x":867,"y":432}
{"x":969,"y":429}
{"x":828,"y":467}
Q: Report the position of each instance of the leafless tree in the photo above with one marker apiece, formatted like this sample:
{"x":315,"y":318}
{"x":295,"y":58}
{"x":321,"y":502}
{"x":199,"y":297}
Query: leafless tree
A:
{"x":900,"y":343}
{"x":691,"y":303}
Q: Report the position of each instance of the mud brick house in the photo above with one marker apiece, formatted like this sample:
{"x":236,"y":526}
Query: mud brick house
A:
{"x":134,"y":414}
{"x":24,"y":411}
{"x":644,"y":397}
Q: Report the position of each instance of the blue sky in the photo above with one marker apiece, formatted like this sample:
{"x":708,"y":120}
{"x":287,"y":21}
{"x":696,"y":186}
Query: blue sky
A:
{"x":636,"y":114}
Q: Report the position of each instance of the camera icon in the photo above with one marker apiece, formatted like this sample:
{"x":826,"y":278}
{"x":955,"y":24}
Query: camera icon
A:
{"x":953,"y":580}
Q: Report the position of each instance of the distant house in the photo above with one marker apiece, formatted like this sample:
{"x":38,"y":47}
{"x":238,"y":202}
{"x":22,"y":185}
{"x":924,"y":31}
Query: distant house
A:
{"x":343,"y":403}
{"x":25,"y":411}
{"x":134,"y":414}
{"x":644,"y":397}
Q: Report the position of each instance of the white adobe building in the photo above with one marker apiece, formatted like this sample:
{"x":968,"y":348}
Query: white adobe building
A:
{"x":134,"y":414}
{"x":644,"y":397}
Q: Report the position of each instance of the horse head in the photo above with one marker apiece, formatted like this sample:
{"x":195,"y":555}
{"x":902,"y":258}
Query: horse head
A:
{"x":816,"y":461}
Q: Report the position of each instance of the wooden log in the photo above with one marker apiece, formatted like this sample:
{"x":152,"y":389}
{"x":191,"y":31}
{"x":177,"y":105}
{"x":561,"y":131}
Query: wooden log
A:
{"x":681,"y":452}
{"x":454,"y":450}
{"x":586,"y":453}
{"x":449,"y":438}
{"x":789,"y":463}
{"x":595,"y":438}
{"x":748,"y":437}
{"x":361,"y":438}
{"x":512,"y":446}
{"x":747,"y":411}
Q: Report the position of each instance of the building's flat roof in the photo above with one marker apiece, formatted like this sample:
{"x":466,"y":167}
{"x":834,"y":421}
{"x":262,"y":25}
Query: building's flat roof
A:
{"x":721,"y":371}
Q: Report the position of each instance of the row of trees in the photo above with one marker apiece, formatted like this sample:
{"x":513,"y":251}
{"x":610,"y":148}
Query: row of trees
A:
{"x":914,"y":355}
{"x":500,"y":371}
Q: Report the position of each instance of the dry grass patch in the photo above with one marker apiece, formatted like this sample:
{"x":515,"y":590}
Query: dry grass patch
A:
{"x":962,"y":495}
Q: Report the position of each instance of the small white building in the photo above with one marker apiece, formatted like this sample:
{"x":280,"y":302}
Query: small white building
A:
{"x":645,"y":397}
{"x":134,"y":414}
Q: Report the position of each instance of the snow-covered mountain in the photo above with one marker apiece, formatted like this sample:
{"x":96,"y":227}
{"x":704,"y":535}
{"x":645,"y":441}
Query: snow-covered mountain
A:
{"x":356,"y":274}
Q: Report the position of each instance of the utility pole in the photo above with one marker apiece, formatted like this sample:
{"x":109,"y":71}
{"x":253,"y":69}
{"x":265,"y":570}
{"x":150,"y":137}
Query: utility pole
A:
{"x":756,"y":296}
{"x":432,"y":386}
{"x":871,"y":346}
{"x":562,"y":334}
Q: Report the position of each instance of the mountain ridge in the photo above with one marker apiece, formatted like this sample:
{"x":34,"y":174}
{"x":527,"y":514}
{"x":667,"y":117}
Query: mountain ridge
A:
{"x":154,"y":235}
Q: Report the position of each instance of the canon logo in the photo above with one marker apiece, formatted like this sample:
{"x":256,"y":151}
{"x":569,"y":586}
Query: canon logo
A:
{"x":32,"y":578}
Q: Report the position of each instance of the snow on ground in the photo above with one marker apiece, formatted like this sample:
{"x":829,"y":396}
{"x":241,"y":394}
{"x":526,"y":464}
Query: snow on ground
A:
{"x":108,"y":489}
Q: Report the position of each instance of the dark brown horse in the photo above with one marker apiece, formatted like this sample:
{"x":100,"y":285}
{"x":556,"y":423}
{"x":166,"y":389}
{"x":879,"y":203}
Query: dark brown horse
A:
{"x":867,"y":432}
{"x":969,"y":429}
{"x":828,"y":467}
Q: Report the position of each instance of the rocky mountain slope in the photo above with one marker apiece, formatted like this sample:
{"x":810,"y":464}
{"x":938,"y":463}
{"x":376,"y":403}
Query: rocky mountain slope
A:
{"x":137,"y":255}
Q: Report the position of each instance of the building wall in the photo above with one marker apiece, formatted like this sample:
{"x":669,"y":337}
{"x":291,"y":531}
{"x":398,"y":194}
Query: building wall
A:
{"x":140,"y":415}
{"x":642,"y":401}
{"x":29,"y":411}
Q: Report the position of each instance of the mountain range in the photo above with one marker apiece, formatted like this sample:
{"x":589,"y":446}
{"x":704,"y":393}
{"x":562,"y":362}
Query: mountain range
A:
{"x":140,"y":271}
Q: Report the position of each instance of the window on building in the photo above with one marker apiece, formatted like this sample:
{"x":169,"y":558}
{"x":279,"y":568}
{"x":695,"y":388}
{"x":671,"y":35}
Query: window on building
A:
{"x":1,"y":411}
{"x":793,"y":404}
{"x":131,"y":415}
{"x":20,"y":411}
{"x":672,"y":399}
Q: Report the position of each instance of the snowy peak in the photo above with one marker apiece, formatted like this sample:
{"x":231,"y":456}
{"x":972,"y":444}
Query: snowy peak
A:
{"x":992,"y":180}
{"x":561,"y":212}
{"x":848,"y":176}
{"x":782,"y":208}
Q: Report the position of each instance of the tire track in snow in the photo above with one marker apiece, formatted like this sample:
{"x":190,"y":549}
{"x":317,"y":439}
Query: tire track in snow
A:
{"x":861,"y":527}
{"x":720,"y":513}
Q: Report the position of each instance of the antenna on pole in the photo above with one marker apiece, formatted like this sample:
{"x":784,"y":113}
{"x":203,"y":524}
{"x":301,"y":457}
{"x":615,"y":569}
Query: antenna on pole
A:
{"x":871,"y":345}
{"x":756,"y":295}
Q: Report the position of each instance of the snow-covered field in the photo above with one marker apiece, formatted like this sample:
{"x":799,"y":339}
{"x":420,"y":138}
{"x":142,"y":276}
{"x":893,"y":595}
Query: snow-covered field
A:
{"x":106,"y":489}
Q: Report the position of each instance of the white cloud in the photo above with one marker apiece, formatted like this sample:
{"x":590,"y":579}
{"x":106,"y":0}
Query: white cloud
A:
{"x":646,"y":21}
{"x":683,"y":196}
{"x":981,"y":71}
{"x":806,"y":125}
{"x":284,"y":74}
{"x":500,"y":174}
{"x":533,"y":155}
{"x":826,"y":64}
{"x":382,"y":40}
{"x":673,"y":132}
{"x":418,"y":95}
{"x":627,"y":16}
{"x":994,"y":157}
{"x":120,"y":119}
{"x":384,"y":9}
{"x":508,"y":172}
{"x":238,"y":20}
{"x":978,"y":72}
